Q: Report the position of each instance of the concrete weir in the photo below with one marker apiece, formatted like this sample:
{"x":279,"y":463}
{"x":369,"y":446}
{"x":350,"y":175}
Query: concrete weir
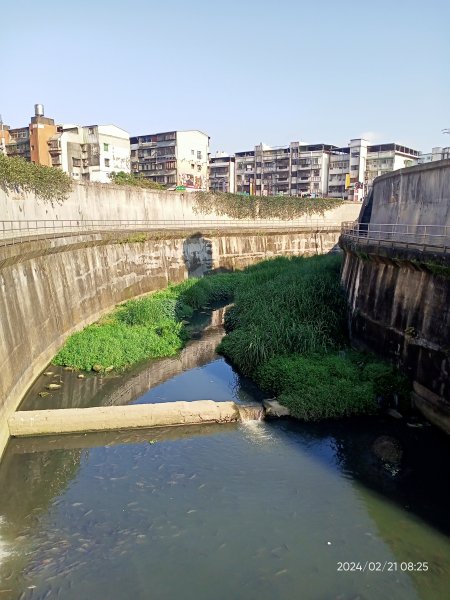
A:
{"x":110,"y":418}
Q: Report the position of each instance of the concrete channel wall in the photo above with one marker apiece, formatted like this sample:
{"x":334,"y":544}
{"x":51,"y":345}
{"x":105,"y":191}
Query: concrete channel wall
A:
{"x":95,"y":201}
{"x":399,"y":294}
{"x":50,"y":289}
{"x":414,"y":196}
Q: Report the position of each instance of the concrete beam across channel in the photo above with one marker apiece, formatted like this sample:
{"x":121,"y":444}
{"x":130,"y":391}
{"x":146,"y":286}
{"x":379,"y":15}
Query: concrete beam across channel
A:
{"x":109,"y":418}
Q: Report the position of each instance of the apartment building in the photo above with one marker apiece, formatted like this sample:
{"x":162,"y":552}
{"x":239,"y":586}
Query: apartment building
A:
{"x":221,"y":173}
{"x":297,"y":170}
{"x":172,"y":158}
{"x":318,"y":170}
{"x":437,"y":153}
{"x":90,"y":153}
{"x":364,"y":163}
{"x":30,"y":142}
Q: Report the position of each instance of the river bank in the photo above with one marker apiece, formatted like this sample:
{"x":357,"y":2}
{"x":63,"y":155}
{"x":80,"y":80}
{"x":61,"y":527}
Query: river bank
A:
{"x":287,"y":331}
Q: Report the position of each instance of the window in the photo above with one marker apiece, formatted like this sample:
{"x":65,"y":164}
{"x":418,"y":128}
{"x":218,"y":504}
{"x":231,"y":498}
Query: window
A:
{"x":105,"y":147}
{"x":106,"y":162}
{"x":192,"y":152}
{"x":90,"y":130}
{"x":199,"y":155}
{"x":199,"y":167}
{"x":76,"y":162}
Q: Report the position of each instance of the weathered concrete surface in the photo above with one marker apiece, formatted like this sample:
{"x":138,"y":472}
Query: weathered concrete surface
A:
{"x":414,"y":196}
{"x":400,"y":309}
{"x":399,"y":295}
{"x":107,"y":418}
{"x":89,"y":201}
{"x":49,"y":291}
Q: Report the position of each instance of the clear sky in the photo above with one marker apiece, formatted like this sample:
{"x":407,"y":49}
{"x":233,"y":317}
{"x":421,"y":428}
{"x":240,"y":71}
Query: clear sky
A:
{"x":243,"y":71}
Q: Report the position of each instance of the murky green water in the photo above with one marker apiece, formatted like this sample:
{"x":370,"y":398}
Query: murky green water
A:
{"x":262,"y":510}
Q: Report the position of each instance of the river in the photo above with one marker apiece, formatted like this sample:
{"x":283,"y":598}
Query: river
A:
{"x":262,"y":510}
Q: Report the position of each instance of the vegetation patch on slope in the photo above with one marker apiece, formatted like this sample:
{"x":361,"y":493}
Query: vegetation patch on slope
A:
{"x":238,"y":206}
{"x":20,"y":176}
{"x":122,"y":178}
{"x":149,"y":327}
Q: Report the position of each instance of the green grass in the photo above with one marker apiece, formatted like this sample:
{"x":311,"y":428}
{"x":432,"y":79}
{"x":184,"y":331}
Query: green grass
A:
{"x":149,"y":327}
{"x":318,"y":386}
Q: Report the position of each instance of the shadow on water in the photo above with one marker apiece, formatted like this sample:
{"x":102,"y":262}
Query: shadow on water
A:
{"x":401,"y":462}
{"x":400,"y":471}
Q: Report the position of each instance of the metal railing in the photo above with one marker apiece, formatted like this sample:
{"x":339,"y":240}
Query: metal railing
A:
{"x":18,"y":232}
{"x":434,"y":238}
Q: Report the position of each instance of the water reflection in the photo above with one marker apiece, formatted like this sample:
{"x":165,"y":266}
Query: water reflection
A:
{"x":252,"y":510}
{"x":119,"y":389}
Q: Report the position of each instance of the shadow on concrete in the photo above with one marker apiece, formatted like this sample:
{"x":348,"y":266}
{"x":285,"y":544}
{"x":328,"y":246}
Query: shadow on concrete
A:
{"x":197,"y":255}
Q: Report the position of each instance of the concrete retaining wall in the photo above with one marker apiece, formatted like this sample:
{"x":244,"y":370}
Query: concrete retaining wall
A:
{"x":402,"y":312}
{"x":111,"y":202}
{"x":414,"y":196}
{"x":47,"y":292}
{"x":399,"y":297}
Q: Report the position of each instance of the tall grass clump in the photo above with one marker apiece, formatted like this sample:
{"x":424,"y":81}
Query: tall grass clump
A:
{"x":287,"y":330}
{"x":286,"y":306}
{"x":148,"y":327}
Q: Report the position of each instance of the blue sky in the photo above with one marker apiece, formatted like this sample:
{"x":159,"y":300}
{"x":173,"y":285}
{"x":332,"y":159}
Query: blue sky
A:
{"x":242,"y":71}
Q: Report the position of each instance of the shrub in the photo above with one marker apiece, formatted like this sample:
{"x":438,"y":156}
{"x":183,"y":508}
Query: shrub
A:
{"x":122,"y":178}
{"x":48,"y":183}
{"x":318,"y":386}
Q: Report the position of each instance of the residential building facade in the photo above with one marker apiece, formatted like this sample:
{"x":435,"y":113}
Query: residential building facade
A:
{"x":353,"y":169}
{"x":317,"y":170}
{"x":221,"y":173}
{"x":297,"y":170}
{"x":30,"y":142}
{"x":172,"y":158}
{"x":437,"y":153}
{"x":90,"y":153}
